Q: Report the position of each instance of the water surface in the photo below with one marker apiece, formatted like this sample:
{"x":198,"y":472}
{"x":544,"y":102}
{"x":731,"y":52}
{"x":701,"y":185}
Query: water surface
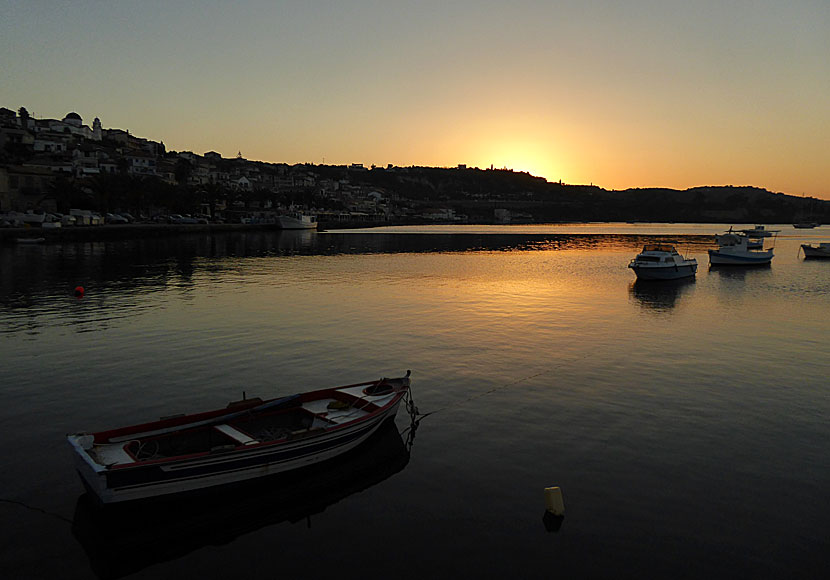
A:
{"x":686,"y":422}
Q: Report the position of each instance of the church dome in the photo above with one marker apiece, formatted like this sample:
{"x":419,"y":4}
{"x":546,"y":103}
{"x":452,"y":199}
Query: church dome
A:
{"x":73,"y":119}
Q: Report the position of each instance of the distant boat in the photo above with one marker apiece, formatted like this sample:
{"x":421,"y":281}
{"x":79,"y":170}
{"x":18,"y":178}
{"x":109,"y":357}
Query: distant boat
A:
{"x":297,"y":221}
{"x":661,"y":261}
{"x":821,"y":251}
{"x":734,"y":250}
{"x":806,"y":220}
{"x":759,"y":232}
{"x":247,"y":440}
{"x":30,"y":240}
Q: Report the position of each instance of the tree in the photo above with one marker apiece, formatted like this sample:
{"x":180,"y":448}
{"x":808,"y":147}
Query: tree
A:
{"x":210,"y":194}
{"x":183,"y":170}
{"x":68,"y":194}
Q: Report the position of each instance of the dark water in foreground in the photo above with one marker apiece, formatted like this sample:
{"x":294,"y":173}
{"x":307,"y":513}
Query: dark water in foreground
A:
{"x":687,"y":423}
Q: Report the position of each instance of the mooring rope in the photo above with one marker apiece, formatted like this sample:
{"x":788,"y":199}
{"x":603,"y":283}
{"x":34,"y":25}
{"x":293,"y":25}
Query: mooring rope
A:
{"x":37,"y":509}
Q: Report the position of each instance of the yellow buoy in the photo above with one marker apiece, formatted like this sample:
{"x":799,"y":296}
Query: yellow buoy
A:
{"x":554,"y":502}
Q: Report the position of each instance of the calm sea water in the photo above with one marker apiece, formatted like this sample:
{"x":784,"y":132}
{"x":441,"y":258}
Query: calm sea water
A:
{"x":687,"y":423}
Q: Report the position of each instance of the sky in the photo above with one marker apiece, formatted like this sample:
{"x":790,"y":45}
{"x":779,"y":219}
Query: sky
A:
{"x":616,"y":93}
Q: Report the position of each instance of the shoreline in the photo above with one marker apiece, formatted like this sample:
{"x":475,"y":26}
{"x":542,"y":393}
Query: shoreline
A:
{"x":112,"y":232}
{"x":123,"y":231}
{"x":108,"y":232}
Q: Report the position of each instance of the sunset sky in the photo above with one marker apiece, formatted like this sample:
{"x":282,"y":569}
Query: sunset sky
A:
{"x":620,"y":94}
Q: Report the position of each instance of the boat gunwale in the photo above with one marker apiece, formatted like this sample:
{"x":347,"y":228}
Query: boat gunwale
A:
{"x":106,"y":435}
{"x":372,"y":410}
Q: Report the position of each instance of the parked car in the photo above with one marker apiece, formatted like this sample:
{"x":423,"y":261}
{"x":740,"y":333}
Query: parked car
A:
{"x":181,"y":219}
{"x":114,"y":218}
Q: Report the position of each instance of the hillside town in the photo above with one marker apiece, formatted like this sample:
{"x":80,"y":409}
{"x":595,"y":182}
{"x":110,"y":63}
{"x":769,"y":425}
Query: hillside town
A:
{"x":56,"y":165}
{"x":54,"y":168}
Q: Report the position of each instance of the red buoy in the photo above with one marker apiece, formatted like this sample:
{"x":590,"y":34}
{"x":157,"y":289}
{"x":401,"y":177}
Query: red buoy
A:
{"x":79,"y":291}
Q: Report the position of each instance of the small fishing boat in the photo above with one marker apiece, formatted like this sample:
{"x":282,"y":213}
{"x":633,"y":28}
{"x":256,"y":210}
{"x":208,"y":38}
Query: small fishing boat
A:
{"x":30,"y":240}
{"x":297,"y":221}
{"x":248,"y":439}
{"x":756,"y":236}
{"x":661,"y":261}
{"x":821,"y":251}
{"x":752,"y":243}
{"x":758,"y":232}
{"x":734,"y":250}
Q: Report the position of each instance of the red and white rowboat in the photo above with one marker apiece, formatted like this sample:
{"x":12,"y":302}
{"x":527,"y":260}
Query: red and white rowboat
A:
{"x":248,"y":439}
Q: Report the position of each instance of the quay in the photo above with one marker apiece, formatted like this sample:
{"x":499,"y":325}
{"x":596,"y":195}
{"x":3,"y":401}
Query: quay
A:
{"x":108,"y":232}
{"x":123,"y":231}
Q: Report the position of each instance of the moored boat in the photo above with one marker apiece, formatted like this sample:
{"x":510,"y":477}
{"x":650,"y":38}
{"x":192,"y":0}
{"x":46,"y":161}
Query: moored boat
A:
{"x":752,"y":243}
{"x":758,"y":231}
{"x":297,"y":221}
{"x":756,"y":236}
{"x":248,"y":439}
{"x":734,"y":250}
{"x":661,"y":261}
{"x":821,"y":251}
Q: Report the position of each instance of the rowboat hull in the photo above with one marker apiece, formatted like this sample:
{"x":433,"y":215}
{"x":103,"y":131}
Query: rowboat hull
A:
{"x":131,"y":477}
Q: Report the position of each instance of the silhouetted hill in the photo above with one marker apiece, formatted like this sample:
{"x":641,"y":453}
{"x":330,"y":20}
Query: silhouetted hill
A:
{"x":478,"y":192}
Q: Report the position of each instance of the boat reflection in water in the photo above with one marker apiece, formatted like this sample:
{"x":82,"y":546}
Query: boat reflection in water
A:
{"x":122,"y":539}
{"x":729,"y":274}
{"x":659,"y":295}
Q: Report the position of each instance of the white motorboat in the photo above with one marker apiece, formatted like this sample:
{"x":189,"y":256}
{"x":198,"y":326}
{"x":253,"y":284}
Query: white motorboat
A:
{"x":661,"y":261}
{"x":297,"y":221}
{"x":822,"y":250}
{"x":734,"y":250}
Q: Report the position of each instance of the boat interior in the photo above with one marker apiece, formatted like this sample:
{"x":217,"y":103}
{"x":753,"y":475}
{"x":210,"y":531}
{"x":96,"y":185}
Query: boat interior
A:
{"x":249,"y":429}
{"x":297,"y":418}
